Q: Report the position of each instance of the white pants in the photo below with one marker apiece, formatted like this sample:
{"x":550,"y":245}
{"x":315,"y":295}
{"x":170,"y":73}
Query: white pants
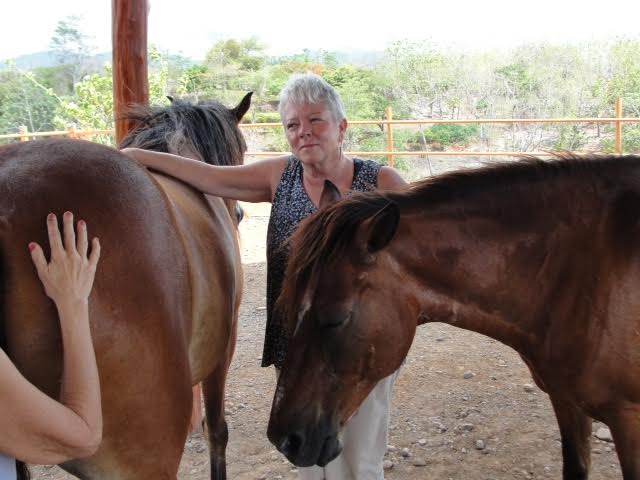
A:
{"x":364,"y":440}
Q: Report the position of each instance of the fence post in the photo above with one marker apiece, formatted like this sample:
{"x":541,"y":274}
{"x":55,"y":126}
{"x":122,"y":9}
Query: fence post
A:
{"x":24,"y":133}
{"x":619,"y":127}
{"x":72,"y":131}
{"x":390,"y":157}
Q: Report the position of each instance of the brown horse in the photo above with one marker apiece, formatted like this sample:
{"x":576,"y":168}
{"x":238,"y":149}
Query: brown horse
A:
{"x":542,"y":256}
{"x":164,"y":305}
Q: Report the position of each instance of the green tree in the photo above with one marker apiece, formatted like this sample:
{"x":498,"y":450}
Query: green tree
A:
{"x":91,"y":106}
{"x":71,"y":48}
{"x":23,"y":101}
{"x":233,"y":67}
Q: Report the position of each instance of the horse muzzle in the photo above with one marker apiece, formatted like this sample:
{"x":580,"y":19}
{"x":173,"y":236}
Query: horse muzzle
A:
{"x":306,"y":445}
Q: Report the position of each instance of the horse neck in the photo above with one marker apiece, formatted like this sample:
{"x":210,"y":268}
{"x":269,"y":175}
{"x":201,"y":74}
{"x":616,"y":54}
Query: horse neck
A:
{"x":474,"y":274}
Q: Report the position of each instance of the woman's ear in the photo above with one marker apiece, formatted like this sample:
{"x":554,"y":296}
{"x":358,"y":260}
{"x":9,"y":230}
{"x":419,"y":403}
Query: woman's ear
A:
{"x":342,"y":127}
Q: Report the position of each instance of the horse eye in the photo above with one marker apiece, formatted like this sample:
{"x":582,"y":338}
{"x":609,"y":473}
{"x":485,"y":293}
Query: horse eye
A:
{"x":335,"y":321}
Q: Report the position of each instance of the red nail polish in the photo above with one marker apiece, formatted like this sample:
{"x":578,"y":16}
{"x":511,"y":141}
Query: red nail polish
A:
{"x":32,"y":247}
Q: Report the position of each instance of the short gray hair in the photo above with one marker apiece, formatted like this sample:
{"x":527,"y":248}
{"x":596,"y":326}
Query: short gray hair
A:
{"x":307,"y":89}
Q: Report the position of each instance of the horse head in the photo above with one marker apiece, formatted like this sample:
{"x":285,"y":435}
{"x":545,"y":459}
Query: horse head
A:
{"x":207,"y":131}
{"x":345,"y":333}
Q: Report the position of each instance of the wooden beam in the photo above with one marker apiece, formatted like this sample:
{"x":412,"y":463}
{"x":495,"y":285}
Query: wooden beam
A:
{"x":130,"y":78}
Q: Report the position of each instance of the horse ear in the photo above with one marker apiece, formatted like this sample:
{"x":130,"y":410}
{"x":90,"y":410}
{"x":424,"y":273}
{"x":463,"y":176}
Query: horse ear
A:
{"x":330,"y":194}
{"x":377,"y":232}
{"x":243,"y":106}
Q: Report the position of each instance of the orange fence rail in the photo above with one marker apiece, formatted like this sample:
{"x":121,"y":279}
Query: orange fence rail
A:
{"x":388,"y":123}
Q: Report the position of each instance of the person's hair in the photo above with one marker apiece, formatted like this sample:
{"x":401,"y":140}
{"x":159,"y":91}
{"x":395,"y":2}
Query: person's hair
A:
{"x":307,"y":89}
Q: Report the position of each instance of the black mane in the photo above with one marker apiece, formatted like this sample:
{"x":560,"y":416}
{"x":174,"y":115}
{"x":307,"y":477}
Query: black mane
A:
{"x":207,"y":129}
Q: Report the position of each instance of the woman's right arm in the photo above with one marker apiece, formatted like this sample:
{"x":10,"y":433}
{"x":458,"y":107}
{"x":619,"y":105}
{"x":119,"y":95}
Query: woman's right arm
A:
{"x":254,"y":182}
{"x":34,"y":427}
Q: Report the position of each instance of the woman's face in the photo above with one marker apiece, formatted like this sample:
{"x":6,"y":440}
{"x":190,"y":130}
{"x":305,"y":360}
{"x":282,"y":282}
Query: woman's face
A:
{"x":312,"y":132}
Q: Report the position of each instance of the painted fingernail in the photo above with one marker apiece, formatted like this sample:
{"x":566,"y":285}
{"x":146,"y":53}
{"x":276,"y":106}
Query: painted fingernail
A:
{"x":81,"y":223}
{"x":32,"y":247}
{"x":51,"y":216}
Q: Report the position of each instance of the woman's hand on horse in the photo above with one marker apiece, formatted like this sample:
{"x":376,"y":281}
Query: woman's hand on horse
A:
{"x":68,"y":277}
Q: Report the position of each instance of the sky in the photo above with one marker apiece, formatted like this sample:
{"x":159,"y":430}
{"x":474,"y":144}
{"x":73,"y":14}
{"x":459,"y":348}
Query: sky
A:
{"x":191,"y":27}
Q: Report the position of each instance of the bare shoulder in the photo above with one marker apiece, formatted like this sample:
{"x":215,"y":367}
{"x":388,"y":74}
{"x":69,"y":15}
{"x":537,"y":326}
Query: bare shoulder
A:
{"x":275,"y":165}
{"x":390,"y":179}
{"x":272,"y":169}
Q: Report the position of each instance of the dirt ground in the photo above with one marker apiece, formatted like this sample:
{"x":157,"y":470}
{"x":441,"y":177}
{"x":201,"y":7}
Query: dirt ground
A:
{"x":464,"y":405}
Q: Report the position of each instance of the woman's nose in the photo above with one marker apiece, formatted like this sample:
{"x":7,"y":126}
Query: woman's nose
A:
{"x":305,"y":129}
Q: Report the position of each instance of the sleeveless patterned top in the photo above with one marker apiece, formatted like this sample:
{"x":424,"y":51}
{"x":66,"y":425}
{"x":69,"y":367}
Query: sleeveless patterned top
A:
{"x":290,"y":206}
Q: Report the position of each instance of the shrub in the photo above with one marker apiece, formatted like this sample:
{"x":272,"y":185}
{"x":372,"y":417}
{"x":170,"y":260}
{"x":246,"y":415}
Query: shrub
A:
{"x":444,"y":134}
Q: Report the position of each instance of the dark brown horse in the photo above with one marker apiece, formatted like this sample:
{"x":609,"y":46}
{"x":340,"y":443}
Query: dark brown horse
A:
{"x":542,"y":256}
{"x":165,"y":301}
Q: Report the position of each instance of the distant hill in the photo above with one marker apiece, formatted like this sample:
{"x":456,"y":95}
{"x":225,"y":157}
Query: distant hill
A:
{"x":364,"y":58}
{"x":48,"y":59}
{"x":31,"y":61}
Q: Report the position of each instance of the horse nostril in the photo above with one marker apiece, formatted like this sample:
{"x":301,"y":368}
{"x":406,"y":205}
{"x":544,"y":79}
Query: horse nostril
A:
{"x":291,"y":445}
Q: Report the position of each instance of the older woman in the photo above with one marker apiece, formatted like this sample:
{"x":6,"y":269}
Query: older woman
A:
{"x":314,"y":120}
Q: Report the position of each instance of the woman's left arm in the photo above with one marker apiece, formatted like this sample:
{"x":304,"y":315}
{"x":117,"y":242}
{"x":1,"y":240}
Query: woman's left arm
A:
{"x":390,"y":179}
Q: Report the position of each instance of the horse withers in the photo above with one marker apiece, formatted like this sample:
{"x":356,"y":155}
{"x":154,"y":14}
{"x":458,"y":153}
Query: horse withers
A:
{"x":164,"y":306}
{"x":543,"y":256}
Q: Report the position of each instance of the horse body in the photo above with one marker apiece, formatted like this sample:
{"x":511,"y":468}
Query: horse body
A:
{"x":543,"y":257}
{"x":215,"y":274}
{"x":163,"y":309}
{"x":137,"y":312}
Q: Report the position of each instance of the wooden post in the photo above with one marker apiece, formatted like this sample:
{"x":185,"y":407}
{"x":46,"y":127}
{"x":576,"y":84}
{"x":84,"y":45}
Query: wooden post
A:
{"x":73,"y":131}
{"x":619,"y":127}
{"x":390,"y":158}
{"x":129,"y":40}
{"x":23,"y":131}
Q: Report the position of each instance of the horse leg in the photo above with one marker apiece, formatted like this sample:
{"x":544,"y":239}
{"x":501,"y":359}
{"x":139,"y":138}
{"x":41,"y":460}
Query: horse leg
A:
{"x":575,"y":431}
{"x":625,"y":429}
{"x":213,"y":389}
{"x":196,"y":413}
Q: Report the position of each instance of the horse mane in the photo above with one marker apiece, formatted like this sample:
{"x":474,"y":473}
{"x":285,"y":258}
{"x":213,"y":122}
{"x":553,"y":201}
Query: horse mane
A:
{"x":321,"y":237}
{"x":328,"y":233}
{"x":207,"y":129}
